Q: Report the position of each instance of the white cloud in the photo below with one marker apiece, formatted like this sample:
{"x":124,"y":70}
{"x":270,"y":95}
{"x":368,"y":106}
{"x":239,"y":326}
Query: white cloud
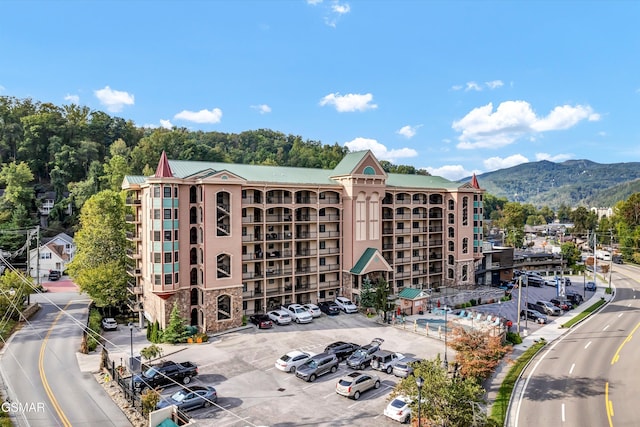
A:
{"x":557,"y":158}
{"x":408,"y":131}
{"x":332,"y":11}
{"x":456,"y":87}
{"x":314,"y":2}
{"x":495,"y":163}
{"x":2,"y":88}
{"x":202,"y":116}
{"x":114,"y":100}
{"x":602,"y":133}
{"x":166,"y":124}
{"x":472,"y":86}
{"x":262,"y":108}
{"x":483,"y":127}
{"x":349,"y":102}
{"x":74,"y":99}
{"x":494,"y":84}
{"x":379,"y":150}
{"x":340,"y":9}
{"x":450,"y":172}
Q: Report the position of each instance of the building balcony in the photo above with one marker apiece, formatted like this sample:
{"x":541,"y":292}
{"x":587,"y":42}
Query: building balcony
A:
{"x":135,"y":290}
{"x":135,"y":272}
{"x":329,"y":200}
{"x":135,"y":306}
{"x":133,"y":236}
{"x":132,"y":219}
{"x":132,"y":201}
{"x":133,"y":254}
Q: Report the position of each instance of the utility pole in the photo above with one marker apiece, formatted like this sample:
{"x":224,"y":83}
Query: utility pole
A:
{"x":610,"y":257}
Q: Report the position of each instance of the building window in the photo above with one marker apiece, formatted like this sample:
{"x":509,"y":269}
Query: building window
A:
{"x":156,"y":214}
{"x":167,"y":257}
{"x":322,"y":228}
{"x":167,"y":214}
{"x":452,"y":219}
{"x":157,"y":257}
{"x":168,"y":279}
{"x":451,"y":205}
{"x":323,"y":244}
{"x":167,"y":236}
{"x":452,"y":233}
{"x":450,"y":260}
{"x":465,"y":245}
{"x":45,"y":255}
{"x":464,"y":273}
{"x":167,"y":191}
{"x":156,"y":236}
{"x":465,"y":211}
{"x":157,"y":280}
{"x":156,"y":191}
{"x":452,"y":246}
{"x":450,"y":273}
{"x":323,"y":261}
{"x":224,"y":307}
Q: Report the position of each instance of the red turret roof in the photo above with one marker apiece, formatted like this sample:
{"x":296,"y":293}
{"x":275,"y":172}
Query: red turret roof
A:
{"x":474,"y":182}
{"x":163,"y":170}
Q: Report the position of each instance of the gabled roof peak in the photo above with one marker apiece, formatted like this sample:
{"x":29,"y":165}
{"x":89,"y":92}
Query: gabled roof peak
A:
{"x":163,"y":170}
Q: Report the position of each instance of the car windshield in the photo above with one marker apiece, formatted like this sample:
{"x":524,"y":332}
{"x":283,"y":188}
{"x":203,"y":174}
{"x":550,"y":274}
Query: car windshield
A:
{"x":347,"y":302}
{"x":360,"y":353}
{"x":398,"y":403}
{"x":179,"y":396}
{"x":312,"y":364}
{"x":150,"y":373}
{"x":345,"y":383}
{"x":285,"y":358}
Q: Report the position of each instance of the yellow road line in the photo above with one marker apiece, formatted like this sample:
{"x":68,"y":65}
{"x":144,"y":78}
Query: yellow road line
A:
{"x":43,"y":377}
{"x":608,"y":404}
{"x":626,"y":340}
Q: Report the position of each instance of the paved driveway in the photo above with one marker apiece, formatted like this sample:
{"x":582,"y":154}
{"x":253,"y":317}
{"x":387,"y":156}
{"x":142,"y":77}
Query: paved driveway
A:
{"x":252,"y":392}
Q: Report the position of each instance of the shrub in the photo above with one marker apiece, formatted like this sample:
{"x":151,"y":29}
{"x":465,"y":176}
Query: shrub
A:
{"x":151,"y":352}
{"x":150,"y":399}
{"x":473,"y":302}
{"x":93,"y":331}
{"x":514,"y":338}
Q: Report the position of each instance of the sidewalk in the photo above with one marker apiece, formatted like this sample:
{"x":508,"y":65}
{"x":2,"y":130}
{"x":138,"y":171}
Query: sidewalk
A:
{"x":549,"y":333}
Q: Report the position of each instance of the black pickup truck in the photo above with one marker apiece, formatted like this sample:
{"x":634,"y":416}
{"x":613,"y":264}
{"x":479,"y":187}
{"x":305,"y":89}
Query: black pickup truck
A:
{"x":165,"y":373}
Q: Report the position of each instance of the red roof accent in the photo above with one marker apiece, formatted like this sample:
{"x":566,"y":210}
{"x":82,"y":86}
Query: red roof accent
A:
{"x":474,"y":182}
{"x":163,"y":170}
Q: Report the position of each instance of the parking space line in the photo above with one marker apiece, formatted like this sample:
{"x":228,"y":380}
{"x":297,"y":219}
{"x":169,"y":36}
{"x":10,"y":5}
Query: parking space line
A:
{"x":620,"y":315}
{"x":587,"y":346}
{"x":573,"y":365}
{"x":605,"y":328}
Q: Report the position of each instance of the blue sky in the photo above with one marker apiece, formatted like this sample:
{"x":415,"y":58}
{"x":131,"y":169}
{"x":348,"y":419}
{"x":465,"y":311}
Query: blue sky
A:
{"x":454,"y":87}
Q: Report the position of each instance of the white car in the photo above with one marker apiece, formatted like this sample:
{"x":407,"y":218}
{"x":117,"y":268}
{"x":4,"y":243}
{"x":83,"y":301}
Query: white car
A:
{"x":298,"y":313}
{"x":279,"y":317}
{"x":313,"y":309}
{"x":398,"y":409}
{"x":346,"y":305}
{"x":109,"y":324}
{"x":290,"y":361}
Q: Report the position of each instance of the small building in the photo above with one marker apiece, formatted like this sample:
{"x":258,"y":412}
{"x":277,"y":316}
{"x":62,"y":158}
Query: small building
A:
{"x":55,"y":254}
{"x":413,"y":301}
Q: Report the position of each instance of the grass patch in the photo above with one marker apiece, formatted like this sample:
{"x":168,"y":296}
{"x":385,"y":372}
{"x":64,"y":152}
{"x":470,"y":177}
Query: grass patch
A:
{"x":584,"y":314}
{"x":7,"y":328}
{"x":499,"y":408}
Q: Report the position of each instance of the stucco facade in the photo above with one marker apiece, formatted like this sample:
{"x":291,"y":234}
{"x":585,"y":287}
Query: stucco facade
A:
{"x":225,"y":240}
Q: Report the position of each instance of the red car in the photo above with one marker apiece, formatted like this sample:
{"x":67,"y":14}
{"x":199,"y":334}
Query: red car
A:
{"x":262,"y":321}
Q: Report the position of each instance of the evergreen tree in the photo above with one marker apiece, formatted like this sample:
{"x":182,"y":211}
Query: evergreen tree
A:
{"x":176,"y":331}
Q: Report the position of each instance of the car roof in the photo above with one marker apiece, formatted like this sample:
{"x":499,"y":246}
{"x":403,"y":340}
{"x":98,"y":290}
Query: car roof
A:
{"x":293,"y":353}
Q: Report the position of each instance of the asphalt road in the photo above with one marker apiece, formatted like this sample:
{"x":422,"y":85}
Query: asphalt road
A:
{"x":588,"y":376}
{"x":41,"y":372}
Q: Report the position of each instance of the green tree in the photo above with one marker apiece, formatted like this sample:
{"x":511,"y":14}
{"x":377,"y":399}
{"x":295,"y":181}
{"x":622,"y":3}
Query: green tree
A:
{"x":17,"y":178}
{"x":14,"y":289}
{"x":583,"y":219}
{"x":176,"y":330}
{"x":99,"y":266}
{"x":381,"y":301}
{"x":367,"y":294}
{"x":446,"y":400}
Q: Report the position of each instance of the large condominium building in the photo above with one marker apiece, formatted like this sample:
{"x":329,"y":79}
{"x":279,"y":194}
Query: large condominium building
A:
{"x":224,"y":240}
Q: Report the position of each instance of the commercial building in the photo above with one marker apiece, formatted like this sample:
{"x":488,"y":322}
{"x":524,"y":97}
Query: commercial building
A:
{"x":227,"y":240}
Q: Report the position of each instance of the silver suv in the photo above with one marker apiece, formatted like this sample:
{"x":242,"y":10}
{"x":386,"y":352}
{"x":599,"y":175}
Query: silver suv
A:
{"x":384,"y":360}
{"x":317,"y":365}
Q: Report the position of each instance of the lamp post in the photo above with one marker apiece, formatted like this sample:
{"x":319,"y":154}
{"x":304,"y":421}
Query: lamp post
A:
{"x":446,"y":363}
{"x":419,"y":383}
{"x":131,"y":362}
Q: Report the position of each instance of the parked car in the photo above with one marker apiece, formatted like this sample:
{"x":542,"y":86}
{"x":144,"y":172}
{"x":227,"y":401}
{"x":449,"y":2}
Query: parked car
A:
{"x":384,"y":360}
{"x":404,"y":368}
{"x":298,"y":313}
{"x":562,"y":303}
{"x":361,"y":358}
{"x":317,"y":365}
{"x":195,"y":397}
{"x":399,"y":410}
{"x":355,"y":383}
{"x":534,"y":280}
{"x":279,"y":317}
{"x":329,"y":308}
{"x":590,"y":286}
{"x":54,"y":275}
{"x":165,"y":373}
{"x":290,"y":361}
{"x":109,"y":324}
{"x":574,"y":297}
{"x":534,"y":315}
{"x":341,"y":349}
{"x":262,"y":321}
{"x":346,"y":305}
{"x":549,"y":308}
{"x":313,"y":309}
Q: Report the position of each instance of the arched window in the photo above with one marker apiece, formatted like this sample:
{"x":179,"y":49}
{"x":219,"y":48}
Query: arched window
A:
{"x":193,"y":235}
{"x":452,"y":219}
{"x":194,"y":296}
{"x":450,"y":260}
{"x":465,"y":245}
{"x":451,"y":205}
{"x":224,"y":307}
{"x":192,"y":194}
{"x":224,"y":266}
{"x":452,"y":233}
{"x":464,"y":273}
{"x":194,"y":317}
{"x":452,"y":246}
{"x":450,"y":273}
{"x":194,"y":277}
{"x":465,"y":211}
{"x":369,"y":171}
{"x":193,"y":256}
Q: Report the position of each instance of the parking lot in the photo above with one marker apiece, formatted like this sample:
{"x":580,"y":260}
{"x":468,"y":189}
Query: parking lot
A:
{"x":252,"y":392}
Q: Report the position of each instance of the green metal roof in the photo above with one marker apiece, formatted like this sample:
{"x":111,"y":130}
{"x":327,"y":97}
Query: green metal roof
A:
{"x":135,"y":179}
{"x":255,"y":173}
{"x":349,"y":163}
{"x":364,"y":259}
{"x":421,"y":181}
{"x":412,"y":293}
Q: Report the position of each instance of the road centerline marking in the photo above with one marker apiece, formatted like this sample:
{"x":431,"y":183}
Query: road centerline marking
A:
{"x":573,"y":365}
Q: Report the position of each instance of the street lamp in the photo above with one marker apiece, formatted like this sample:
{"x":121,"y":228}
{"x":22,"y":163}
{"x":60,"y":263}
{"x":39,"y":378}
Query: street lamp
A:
{"x":419,"y":383}
{"x":131,"y":362}
{"x":446,"y":363}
